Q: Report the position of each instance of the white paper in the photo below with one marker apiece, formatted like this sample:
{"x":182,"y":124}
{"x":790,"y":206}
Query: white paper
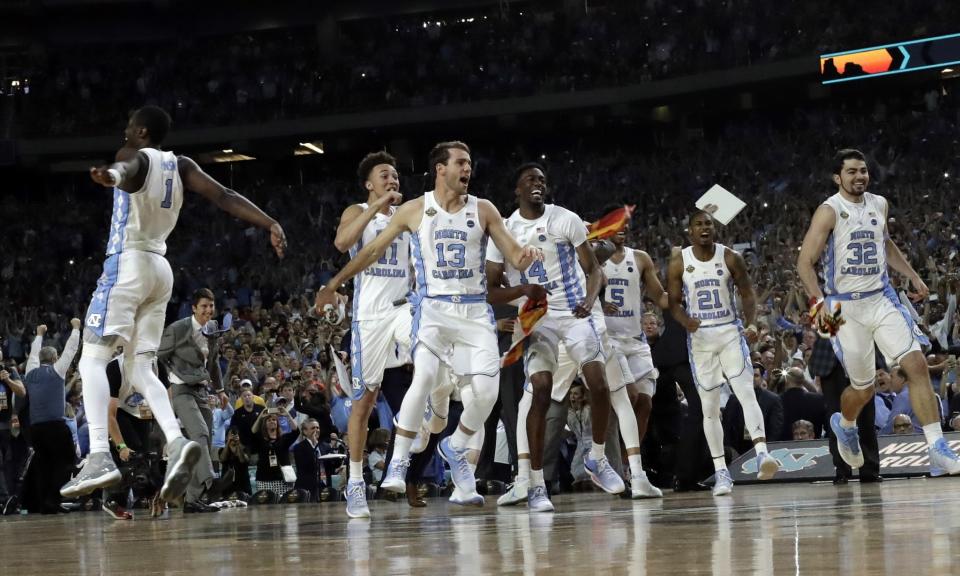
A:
{"x":728,"y":205}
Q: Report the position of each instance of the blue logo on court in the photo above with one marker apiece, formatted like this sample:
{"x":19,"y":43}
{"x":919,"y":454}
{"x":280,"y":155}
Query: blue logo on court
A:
{"x":470,"y":224}
{"x":791,"y":459}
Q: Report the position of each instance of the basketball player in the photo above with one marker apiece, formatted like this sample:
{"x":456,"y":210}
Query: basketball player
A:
{"x":630,"y":273}
{"x":381,"y":314}
{"x":571,"y":295}
{"x":849,"y":230}
{"x":452,"y":323}
{"x":129,"y":304}
{"x":704,"y":275}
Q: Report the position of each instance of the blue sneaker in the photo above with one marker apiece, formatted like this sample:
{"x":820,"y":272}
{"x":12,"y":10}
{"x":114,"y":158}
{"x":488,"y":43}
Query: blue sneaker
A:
{"x":723,"y":483}
{"x":767,"y":466}
{"x":356,"y":494}
{"x":848,"y":442}
{"x":603,"y":475}
{"x":395,"y":479}
{"x":459,"y":467}
{"x":538,"y":501}
{"x":943,"y":460}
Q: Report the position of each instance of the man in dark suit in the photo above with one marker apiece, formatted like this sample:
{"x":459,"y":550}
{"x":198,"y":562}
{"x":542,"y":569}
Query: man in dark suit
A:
{"x":823,"y":363}
{"x":189,"y":354}
{"x":306,"y":457}
{"x":798,"y":404}
{"x":734,"y":433}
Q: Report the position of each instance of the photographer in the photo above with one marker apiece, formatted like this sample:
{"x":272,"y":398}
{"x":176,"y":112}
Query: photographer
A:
{"x":273,"y":450}
{"x":233,"y":457}
{"x":189,"y":351}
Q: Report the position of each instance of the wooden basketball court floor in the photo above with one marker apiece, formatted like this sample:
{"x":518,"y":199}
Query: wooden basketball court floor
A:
{"x":896,"y":528}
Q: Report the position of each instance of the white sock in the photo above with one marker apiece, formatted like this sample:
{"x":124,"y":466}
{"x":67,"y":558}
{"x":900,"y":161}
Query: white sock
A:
{"x":356,"y":470}
{"x":636,"y":466}
{"x":844,"y":423}
{"x":933,"y":433}
{"x":156,"y":396}
{"x":597,"y":450}
{"x":523,"y":470}
{"x":719,"y":464}
{"x":536,"y":478}
{"x":459,"y":439}
{"x":96,"y":399}
{"x":760,"y":447}
{"x":401,"y":447}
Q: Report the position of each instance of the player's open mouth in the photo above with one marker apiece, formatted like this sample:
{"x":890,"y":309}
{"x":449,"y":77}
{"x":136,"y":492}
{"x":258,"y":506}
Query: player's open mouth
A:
{"x":464,"y":180}
{"x":537,"y":194}
{"x":392,"y":188}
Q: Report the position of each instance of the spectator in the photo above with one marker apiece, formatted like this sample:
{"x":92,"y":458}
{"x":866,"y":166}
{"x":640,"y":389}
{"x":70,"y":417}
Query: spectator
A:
{"x":234,"y":457}
{"x":803,"y":430}
{"x":273,"y":450}
{"x":377,"y":443}
{"x":901,"y":405}
{"x":11,"y":388}
{"x":306,"y":455}
{"x":902,"y":424}
{"x":798,"y":404}
{"x":245,"y":417}
{"x":53,"y":446}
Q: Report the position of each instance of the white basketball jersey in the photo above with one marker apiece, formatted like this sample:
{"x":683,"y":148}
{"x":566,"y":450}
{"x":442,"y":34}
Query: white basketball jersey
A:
{"x":142,"y":220}
{"x":386,"y":280}
{"x":855,"y":258}
{"x":557,"y":233}
{"x":708,"y":288}
{"x":449,"y":250}
{"x":625,"y":291}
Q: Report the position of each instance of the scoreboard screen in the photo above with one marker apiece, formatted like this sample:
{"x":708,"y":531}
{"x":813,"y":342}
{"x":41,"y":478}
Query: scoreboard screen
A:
{"x":898,"y":58}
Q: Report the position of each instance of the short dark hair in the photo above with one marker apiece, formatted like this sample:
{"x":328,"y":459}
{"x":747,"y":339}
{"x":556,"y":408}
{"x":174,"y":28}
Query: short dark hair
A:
{"x":440,"y":153}
{"x":201,"y":293}
{"x":518,"y":172}
{"x":698,"y":212}
{"x":155,"y":120}
{"x":843,"y":155}
{"x":371,"y":160}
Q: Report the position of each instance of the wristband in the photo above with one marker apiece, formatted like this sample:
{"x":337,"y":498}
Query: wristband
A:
{"x":116,"y":175}
{"x":121,"y":447}
{"x":753,"y":328}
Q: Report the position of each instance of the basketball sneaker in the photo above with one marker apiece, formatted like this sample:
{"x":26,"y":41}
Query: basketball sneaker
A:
{"x":459,"y":466}
{"x":723,"y":483}
{"x":640,"y":487}
{"x":356,"y":494}
{"x":461,"y":498}
{"x":848,"y":442}
{"x":116,"y":511}
{"x":603,"y":475}
{"x":182,"y":456}
{"x":943,"y":460}
{"x":98,"y":471}
{"x":395,"y":479}
{"x":538,"y":500}
{"x":515,"y":494}
{"x":767,"y":466}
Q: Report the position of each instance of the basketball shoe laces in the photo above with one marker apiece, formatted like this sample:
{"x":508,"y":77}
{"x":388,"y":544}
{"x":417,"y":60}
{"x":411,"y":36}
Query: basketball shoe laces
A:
{"x":355,"y":491}
{"x":463,"y":467}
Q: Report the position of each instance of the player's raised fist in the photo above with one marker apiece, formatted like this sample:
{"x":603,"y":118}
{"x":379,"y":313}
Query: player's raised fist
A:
{"x":41,"y":330}
{"x":75,"y":323}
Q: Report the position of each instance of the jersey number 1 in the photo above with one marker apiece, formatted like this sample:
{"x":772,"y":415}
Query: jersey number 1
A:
{"x":168,"y":194}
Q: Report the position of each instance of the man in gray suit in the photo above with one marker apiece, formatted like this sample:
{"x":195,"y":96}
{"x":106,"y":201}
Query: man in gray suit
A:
{"x":189,"y":350}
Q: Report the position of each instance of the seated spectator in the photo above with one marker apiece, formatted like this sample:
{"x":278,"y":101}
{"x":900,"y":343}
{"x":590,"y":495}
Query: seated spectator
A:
{"x":377,"y":443}
{"x":902,"y":424}
{"x":902,"y":406}
{"x":306,"y":455}
{"x":885,"y":395}
{"x":803,"y":430}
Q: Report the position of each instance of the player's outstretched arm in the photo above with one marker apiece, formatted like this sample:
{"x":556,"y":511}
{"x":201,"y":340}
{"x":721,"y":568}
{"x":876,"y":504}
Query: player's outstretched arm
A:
{"x":520,"y":257}
{"x":675,"y":291}
{"x":196,"y":180}
{"x":822,"y":224}
{"x":354,"y":220}
{"x":498,"y":292}
{"x":898,"y":262}
{"x":595,"y":279}
{"x":401,"y":222}
{"x":127,"y":172}
{"x":651,"y":282}
{"x":741,"y":278}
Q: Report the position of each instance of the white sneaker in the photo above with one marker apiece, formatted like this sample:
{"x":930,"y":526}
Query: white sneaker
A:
{"x":461,"y":498}
{"x":516,"y":494}
{"x":723,"y":483}
{"x":640,"y":487}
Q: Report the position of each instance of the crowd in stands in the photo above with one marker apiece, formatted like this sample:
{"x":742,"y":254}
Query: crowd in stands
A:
{"x":437,"y":58}
{"x":52,"y":244}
